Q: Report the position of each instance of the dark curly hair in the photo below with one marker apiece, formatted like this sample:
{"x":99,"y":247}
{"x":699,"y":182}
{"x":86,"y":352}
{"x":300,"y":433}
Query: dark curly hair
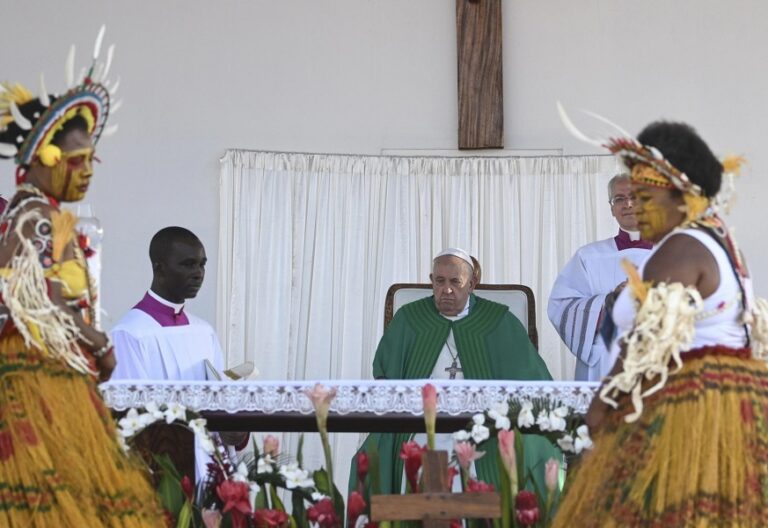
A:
{"x":684,"y":149}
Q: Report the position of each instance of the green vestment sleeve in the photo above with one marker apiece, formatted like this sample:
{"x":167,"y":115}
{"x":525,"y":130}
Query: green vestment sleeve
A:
{"x":491,"y":343}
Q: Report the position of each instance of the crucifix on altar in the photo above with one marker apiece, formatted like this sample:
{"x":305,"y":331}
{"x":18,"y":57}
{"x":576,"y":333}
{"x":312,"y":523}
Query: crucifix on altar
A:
{"x":480,"y":83}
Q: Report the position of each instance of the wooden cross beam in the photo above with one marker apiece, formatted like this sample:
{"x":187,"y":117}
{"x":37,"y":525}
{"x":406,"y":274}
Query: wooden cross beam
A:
{"x":436,"y":506}
{"x":481,"y":101}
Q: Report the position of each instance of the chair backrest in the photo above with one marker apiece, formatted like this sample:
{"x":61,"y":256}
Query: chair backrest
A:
{"x":519,"y":298}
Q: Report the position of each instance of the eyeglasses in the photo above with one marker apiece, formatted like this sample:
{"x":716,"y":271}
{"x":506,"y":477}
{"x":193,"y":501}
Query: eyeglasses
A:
{"x":622,"y":200}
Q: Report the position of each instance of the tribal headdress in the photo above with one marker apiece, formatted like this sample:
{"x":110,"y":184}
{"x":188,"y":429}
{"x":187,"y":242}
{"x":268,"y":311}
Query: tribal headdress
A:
{"x":29,"y":123}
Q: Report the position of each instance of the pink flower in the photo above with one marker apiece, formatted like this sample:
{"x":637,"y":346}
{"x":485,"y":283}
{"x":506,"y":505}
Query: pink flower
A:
{"x":355,"y":507}
{"x":362,"y":466}
{"x":474,"y":486}
{"x":551,"y":474}
{"x":411,"y":453}
{"x":507,"y":451}
{"x":466,"y":453}
{"x":526,"y":508}
{"x":211,"y":518}
{"x":271,"y":446}
{"x":323,"y":514}
{"x":265,"y":518}
{"x":235,"y":497}
{"x":429,"y":397}
{"x":321,"y":399}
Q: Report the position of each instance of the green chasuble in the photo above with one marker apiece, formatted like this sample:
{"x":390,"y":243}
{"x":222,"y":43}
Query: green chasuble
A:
{"x":491,"y":343}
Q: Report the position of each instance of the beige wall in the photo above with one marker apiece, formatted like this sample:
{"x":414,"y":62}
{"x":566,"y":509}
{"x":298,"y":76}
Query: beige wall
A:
{"x":360,"y":76}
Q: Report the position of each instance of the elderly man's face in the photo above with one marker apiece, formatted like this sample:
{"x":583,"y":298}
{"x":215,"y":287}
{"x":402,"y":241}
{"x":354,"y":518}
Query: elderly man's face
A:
{"x":623,"y":205}
{"x":451,"y":283}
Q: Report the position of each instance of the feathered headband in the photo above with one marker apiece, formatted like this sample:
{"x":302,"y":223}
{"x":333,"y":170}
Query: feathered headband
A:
{"x":632,"y":152}
{"x":27,"y":123}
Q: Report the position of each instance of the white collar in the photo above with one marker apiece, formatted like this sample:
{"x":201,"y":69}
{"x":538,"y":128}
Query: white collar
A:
{"x":176,"y":307}
{"x":462,"y":314}
{"x":634,"y":236}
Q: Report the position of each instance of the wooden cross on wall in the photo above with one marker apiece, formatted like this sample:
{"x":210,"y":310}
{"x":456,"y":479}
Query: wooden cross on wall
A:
{"x":436,"y":505}
{"x":481,"y":101}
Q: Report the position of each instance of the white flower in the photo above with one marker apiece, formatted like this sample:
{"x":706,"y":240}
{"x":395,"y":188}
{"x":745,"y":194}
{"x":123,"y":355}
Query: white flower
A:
{"x":480,"y":433}
{"x":361,"y":521}
{"x":566,"y":443}
{"x":130,"y":424}
{"x":461,"y":436}
{"x":525,"y":418}
{"x":264,"y":464}
{"x":295,"y":477}
{"x":583,"y":441}
{"x":557,"y":419}
{"x":479,"y":419}
{"x":241,"y":474}
{"x":198,"y":426}
{"x":502,"y":422}
{"x":543,"y":421}
{"x":317,"y":496}
{"x":175,"y":411}
{"x":154,"y":410}
{"x":498,"y":409}
{"x":123,"y":444}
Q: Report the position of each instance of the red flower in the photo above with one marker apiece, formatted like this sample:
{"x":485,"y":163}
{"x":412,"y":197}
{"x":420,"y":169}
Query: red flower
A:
{"x":323,"y":514}
{"x":169,"y":519}
{"x":235,"y":497}
{"x":265,"y":518}
{"x":411,"y":453}
{"x":452,"y":472}
{"x":478,"y":486}
{"x":527,"y":508}
{"x":362,"y":466}
{"x":355,"y":507}
{"x":188,"y":488}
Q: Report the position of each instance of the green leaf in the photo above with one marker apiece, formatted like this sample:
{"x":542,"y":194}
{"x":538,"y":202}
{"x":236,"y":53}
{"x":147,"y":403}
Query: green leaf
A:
{"x":520,"y":459}
{"x":167,"y":466}
{"x":277,"y":504}
{"x":261,"y":499}
{"x":322,"y":482}
{"x":299,"y":510}
{"x":374,"y":470}
{"x":506,"y":494}
{"x":300,"y":451}
{"x":171,"y":494}
{"x":185,"y":516}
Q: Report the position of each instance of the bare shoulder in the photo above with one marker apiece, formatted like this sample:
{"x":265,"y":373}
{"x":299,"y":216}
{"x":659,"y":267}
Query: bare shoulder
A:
{"x":681,"y":258}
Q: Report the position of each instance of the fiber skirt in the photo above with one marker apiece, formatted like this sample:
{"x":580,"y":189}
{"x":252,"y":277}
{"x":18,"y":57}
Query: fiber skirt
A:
{"x":60,"y":464}
{"x":697,"y":457}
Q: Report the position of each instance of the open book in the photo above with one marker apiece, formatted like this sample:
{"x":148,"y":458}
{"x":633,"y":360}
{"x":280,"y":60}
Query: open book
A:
{"x":241,"y":371}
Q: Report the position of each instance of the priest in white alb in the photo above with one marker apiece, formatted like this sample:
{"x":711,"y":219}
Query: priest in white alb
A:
{"x":586,"y":288}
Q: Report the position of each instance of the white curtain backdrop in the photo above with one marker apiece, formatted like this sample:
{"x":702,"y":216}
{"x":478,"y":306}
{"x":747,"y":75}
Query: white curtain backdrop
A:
{"x":310,"y":243}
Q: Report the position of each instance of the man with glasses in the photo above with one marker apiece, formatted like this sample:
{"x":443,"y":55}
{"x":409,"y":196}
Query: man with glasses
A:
{"x":586,"y":288}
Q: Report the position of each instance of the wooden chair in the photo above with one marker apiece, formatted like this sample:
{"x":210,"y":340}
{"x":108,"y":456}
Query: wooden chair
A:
{"x":519,"y":298}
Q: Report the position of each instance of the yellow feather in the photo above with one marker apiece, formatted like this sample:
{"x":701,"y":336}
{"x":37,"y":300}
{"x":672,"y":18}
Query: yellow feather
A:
{"x":63,"y":224}
{"x":638,"y":288}
{"x":732,"y":163}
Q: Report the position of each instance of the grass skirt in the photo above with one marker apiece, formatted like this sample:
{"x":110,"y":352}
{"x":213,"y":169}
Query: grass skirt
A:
{"x":60,"y":464}
{"x":697,"y":457}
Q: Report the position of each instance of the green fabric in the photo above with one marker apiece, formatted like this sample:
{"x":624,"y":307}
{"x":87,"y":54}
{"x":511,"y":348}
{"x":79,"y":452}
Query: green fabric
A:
{"x":489,"y":336}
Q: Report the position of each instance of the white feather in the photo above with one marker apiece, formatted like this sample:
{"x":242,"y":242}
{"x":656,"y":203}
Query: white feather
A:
{"x":115,"y":107}
{"x":2,"y":88}
{"x":44,"y":99}
{"x":99,"y":39}
{"x":69,"y":67}
{"x":110,"y":53}
{"x":113,"y":89}
{"x":98,"y":69}
{"x":608,"y":122}
{"x":8,"y":150}
{"x":109,"y":131}
{"x":22,"y":121}
{"x":575,"y":132}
